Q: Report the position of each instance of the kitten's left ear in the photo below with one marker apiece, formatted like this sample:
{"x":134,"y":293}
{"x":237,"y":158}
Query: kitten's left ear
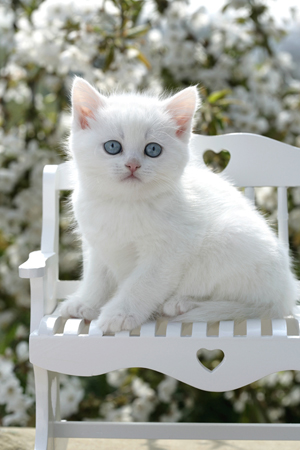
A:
{"x":85,"y":103}
{"x":182,"y":107}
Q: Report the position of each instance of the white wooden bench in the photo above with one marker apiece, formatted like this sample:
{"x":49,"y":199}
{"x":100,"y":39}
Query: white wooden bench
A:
{"x":252,"y":350}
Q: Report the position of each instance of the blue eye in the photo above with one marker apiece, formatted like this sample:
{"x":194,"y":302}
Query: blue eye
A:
{"x":113,"y":147}
{"x":153,"y":150}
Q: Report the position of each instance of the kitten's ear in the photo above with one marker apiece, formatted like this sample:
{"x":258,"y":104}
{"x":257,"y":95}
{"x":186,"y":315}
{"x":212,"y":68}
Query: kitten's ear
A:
{"x":85,"y":102}
{"x":182,"y":107}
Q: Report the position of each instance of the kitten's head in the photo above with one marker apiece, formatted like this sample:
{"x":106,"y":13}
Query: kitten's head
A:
{"x":130,"y":145}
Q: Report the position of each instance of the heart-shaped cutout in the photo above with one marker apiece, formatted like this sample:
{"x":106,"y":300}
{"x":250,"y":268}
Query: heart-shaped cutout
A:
{"x":217,"y":162}
{"x":210,"y":359}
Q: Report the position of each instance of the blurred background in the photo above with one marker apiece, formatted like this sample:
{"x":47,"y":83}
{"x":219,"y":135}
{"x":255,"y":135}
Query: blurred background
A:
{"x":244,"y":55}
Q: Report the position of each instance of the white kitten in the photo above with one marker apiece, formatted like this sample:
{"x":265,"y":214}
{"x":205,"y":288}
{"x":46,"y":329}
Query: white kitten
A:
{"x":162,"y":235}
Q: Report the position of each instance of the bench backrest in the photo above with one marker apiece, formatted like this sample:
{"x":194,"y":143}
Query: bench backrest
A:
{"x":255,"y":161}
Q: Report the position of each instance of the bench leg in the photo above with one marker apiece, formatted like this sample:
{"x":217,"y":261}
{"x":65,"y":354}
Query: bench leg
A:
{"x":47,"y":410}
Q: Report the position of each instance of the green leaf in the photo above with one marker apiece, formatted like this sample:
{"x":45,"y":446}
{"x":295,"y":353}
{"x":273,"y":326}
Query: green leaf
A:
{"x":217,"y":95}
{"x":229,"y":101}
{"x":225,"y":7}
{"x":241,"y":20}
{"x":144,"y":60}
{"x":139,"y":55}
{"x":109,"y":58}
{"x":136,"y":31}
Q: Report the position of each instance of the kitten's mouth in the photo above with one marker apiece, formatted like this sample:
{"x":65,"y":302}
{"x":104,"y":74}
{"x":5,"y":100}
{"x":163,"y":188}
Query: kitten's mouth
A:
{"x":131,"y":177}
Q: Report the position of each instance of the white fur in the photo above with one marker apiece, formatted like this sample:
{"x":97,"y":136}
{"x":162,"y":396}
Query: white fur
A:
{"x":179,"y":240}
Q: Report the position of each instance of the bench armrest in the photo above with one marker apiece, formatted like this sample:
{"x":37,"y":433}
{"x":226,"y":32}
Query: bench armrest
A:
{"x":35,"y":266}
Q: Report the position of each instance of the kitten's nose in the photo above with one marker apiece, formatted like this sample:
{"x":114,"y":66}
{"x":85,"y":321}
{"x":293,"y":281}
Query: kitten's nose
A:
{"x":133,"y":165}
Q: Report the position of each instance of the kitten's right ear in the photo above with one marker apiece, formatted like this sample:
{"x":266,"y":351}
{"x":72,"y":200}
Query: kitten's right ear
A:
{"x":182,"y":107}
{"x":85,"y":103}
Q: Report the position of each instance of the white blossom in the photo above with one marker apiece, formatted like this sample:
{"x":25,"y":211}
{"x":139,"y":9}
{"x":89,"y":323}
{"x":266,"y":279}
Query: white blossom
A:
{"x":117,"y":377}
{"x":22,"y":351}
{"x":275,"y":413}
{"x":71,"y":394}
{"x":269,"y":381}
{"x":7,"y":18}
{"x":285,"y":378}
{"x":266,"y":198}
{"x":142,"y":389}
{"x":240,"y":404}
{"x":229,"y":395}
{"x":122,"y":414}
{"x":292,"y":398}
{"x":10,"y":392}
{"x":6,"y":369}
{"x":141,"y":408}
{"x":166,"y":389}
{"x":15,"y":418}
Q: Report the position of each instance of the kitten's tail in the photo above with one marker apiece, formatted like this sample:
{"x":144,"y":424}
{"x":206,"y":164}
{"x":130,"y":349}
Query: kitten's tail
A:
{"x":215,"y":311}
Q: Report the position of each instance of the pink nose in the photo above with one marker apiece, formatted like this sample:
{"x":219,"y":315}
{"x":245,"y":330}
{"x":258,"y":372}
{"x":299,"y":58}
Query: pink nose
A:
{"x":133,"y":166}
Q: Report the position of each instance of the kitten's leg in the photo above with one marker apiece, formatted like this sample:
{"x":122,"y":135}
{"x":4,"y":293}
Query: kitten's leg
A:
{"x":141,"y":294}
{"x":177,"y":305}
{"x":94,"y":290}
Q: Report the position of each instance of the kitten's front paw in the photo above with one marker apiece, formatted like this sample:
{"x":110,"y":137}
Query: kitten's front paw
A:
{"x":113,"y":322}
{"x":75,"y":307}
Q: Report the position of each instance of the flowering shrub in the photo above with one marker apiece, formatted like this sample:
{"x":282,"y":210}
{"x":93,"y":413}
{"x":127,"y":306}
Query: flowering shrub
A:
{"x":246,"y":84}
